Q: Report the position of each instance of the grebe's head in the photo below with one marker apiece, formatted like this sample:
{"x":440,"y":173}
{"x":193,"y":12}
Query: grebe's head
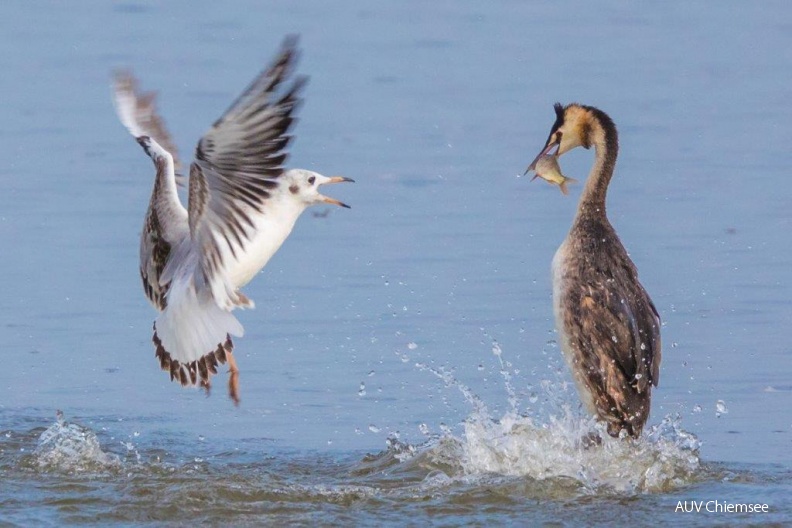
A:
{"x":303,"y":185}
{"x":573,"y":128}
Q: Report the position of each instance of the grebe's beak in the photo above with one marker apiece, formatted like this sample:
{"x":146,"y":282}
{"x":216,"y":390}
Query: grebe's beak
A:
{"x":548,"y":150}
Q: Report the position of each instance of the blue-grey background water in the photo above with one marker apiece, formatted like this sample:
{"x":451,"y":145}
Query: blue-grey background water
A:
{"x":369,"y":320}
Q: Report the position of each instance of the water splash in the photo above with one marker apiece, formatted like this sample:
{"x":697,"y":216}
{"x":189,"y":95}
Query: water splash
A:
{"x":560,"y":444}
{"x":573,"y":447}
{"x":67,"y":446}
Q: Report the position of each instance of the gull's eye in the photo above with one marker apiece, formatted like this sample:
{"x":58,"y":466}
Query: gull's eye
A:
{"x":312,"y":179}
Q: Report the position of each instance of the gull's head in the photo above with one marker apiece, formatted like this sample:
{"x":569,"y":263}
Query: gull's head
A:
{"x":303,"y":185}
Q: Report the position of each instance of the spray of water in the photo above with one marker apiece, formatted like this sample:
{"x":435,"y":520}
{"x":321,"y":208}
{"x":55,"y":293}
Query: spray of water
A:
{"x":558,"y":442}
{"x":70,"y":447}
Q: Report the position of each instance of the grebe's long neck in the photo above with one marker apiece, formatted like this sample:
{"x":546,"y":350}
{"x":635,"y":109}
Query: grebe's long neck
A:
{"x":603,"y":135}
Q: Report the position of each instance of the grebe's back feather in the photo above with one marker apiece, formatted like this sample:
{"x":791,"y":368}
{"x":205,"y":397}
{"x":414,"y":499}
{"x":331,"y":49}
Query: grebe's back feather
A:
{"x":611,"y":326}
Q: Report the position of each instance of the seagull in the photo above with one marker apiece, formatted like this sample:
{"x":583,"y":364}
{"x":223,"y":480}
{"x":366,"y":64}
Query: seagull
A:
{"x":242,"y":204}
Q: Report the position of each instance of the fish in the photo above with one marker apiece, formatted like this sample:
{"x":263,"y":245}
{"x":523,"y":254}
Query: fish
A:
{"x":547,"y":168}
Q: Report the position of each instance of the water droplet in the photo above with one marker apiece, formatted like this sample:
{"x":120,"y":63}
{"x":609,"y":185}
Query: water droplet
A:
{"x":720,"y":408}
{"x":201,"y":438}
{"x":362,"y":390}
{"x":638,"y":376}
{"x":412,"y":346}
{"x":615,"y":339}
{"x":697,"y":408}
{"x":496,"y":349}
{"x":674,"y":344}
{"x":424,"y":429}
{"x":533,"y":397}
{"x":136,"y":434}
{"x":481,"y":367}
{"x":643,"y":346}
{"x":371,"y":373}
{"x":374,"y":429}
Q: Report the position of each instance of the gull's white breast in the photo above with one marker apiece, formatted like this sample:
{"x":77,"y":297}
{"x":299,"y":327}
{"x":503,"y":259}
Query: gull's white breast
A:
{"x":272,"y":227}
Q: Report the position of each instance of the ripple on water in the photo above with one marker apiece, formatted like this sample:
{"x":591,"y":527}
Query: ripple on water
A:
{"x":500,"y":465}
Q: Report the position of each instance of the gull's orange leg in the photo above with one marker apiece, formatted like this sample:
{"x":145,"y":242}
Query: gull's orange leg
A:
{"x":233,"y":378}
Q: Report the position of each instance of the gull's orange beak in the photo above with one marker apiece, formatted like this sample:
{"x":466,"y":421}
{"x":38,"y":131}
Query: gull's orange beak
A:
{"x":337,"y":179}
{"x":340,"y":179}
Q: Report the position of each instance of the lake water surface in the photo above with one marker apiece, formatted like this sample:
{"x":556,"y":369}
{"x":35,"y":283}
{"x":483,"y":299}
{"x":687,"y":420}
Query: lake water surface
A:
{"x":401,"y":364}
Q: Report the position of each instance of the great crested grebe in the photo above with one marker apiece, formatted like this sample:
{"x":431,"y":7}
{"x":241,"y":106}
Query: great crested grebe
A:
{"x":242,"y":206}
{"x":609,"y":329}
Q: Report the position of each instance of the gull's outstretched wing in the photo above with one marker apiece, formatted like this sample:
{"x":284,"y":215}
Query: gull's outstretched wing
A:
{"x":165,"y":227}
{"x":166,"y":219}
{"x":236,"y":166}
{"x":137,"y":111}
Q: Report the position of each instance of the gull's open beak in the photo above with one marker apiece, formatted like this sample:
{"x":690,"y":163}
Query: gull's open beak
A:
{"x":547,"y":150}
{"x":339,"y":179}
{"x":336,"y":179}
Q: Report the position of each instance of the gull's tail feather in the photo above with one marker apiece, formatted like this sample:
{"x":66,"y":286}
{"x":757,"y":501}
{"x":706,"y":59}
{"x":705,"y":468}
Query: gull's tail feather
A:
{"x":193,"y":335}
{"x":198,"y":371}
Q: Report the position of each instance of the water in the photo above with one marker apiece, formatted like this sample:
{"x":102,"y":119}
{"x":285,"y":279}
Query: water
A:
{"x":401,"y":361}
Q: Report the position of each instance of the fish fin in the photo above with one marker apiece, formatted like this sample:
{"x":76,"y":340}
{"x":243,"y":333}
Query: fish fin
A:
{"x":563,"y":184}
{"x":535,"y":176}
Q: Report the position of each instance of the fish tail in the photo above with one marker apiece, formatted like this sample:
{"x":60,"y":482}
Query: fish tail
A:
{"x":563,"y":184}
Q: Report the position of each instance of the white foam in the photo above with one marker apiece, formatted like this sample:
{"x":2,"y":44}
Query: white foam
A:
{"x":663,"y":458}
{"x":557,"y":441}
{"x":69,"y":447}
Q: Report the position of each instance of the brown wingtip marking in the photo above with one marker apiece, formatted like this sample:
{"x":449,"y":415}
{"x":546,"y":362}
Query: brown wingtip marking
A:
{"x":203,"y":371}
{"x":198,"y":372}
{"x":174,"y":370}
{"x":211,"y":363}
{"x":220,"y":354}
{"x":193,"y":371}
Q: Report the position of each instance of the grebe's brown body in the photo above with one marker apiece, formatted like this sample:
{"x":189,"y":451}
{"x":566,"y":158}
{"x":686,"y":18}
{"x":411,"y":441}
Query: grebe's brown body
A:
{"x":608,"y":326}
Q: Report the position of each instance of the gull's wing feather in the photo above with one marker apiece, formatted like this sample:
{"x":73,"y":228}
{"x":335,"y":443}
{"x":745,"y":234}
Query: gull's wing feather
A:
{"x":137,"y":111}
{"x":236,"y":166}
{"x":165,"y":229}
